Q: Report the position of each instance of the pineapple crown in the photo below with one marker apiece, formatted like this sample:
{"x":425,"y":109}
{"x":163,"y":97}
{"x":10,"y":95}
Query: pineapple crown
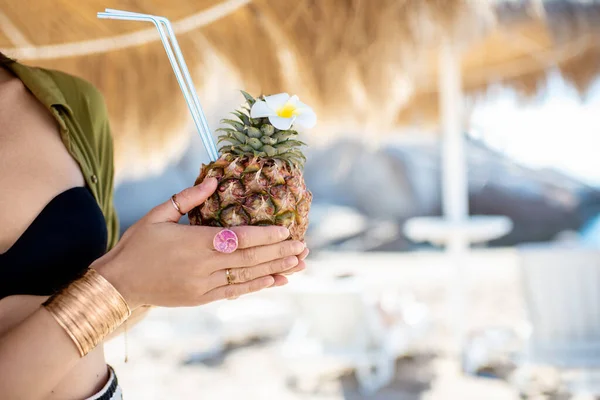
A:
{"x":246,"y":136}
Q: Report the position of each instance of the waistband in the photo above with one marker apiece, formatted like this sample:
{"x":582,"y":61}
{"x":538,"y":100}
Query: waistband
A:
{"x":110,"y":391}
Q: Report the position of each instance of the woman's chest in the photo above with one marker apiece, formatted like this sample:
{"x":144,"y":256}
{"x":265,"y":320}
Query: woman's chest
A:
{"x":35,"y":165}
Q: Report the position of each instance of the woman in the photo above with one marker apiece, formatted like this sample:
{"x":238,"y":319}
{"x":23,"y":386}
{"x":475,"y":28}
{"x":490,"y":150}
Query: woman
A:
{"x":65,"y":282}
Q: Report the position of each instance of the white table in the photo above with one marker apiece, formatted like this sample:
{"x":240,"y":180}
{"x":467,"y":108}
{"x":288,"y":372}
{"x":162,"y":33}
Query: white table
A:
{"x":476,"y":229}
{"x":456,"y":236}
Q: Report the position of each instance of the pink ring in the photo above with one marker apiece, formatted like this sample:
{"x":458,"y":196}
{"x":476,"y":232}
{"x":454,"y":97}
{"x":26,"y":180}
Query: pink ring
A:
{"x":226,"y":241}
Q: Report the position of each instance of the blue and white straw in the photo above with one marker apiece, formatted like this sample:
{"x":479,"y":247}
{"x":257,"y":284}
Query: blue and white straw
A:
{"x":179,"y":68}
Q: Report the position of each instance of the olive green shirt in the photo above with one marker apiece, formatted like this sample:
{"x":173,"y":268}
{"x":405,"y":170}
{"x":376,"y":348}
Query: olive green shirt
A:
{"x":81,"y":113}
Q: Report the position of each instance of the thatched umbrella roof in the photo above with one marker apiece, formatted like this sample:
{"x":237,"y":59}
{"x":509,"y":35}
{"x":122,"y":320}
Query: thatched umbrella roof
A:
{"x":321,"y":47}
{"x":368,"y":64}
{"x":148,"y":114}
{"x":308,"y":47}
{"x":526,"y":45}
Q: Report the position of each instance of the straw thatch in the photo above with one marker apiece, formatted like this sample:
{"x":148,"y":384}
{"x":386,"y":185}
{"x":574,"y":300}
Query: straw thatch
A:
{"x":338,"y":55}
{"x":148,"y":114}
{"x":367,"y":64}
{"x":333,"y":43}
{"x":520,"y":53}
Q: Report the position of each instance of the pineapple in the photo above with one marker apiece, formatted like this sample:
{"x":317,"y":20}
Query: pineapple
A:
{"x":260,"y":177}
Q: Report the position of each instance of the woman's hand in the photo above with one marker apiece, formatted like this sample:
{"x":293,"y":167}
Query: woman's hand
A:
{"x":159,"y":262}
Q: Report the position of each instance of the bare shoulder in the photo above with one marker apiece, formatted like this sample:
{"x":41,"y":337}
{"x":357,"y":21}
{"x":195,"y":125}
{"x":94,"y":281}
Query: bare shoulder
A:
{"x":35,"y":164}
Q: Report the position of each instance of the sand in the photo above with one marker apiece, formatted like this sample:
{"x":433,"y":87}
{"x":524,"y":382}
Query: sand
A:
{"x":160,"y":367}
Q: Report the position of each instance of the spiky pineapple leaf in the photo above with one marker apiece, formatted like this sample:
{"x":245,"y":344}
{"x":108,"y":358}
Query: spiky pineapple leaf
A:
{"x":270,"y":151}
{"x":284,"y":146}
{"x":253,"y":132}
{"x":251,"y":100}
{"x":297,"y":162}
{"x":268,"y":140}
{"x":291,"y":159}
{"x":255,"y":143}
{"x":237,"y":125}
{"x":267,"y":129}
{"x":243,"y":117}
{"x":293,"y":142}
{"x":229,"y":139}
{"x":238,"y":135}
{"x":282,"y":136}
{"x":224,"y":139}
{"x":258,"y":122}
{"x":226,"y":131}
{"x":298,"y":154}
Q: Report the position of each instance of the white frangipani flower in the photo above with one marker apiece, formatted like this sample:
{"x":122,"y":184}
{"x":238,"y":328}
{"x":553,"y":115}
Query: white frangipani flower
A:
{"x":283,"y":111}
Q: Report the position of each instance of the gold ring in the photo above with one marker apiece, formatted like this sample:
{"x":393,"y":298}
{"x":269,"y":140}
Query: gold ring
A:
{"x":176,"y":204}
{"x":229,"y":276}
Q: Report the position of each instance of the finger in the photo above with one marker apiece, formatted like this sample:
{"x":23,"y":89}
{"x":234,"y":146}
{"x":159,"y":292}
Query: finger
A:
{"x":240,"y":289}
{"x":259,"y":255}
{"x":304,"y":254}
{"x":280,"y":280}
{"x":187,"y":199}
{"x":246,"y":274}
{"x":300,"y":267}
{"x":253,"y":236}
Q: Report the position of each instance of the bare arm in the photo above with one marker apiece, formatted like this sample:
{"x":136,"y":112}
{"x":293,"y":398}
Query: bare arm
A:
{"x":34,"y":356}
{"x":15,"y":310}
{"x":39,"y":344}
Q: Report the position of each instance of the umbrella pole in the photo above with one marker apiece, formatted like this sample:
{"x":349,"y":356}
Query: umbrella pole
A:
{"x":455,"y":203}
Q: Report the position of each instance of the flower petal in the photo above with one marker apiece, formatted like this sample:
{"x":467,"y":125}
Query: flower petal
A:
{"x":306,"y":117}
{"x":277,"y":101}
{"x":300,"y":105}
{"x":260,"y":109}
{"x":281,"y":123}
{"x":294,"y":100}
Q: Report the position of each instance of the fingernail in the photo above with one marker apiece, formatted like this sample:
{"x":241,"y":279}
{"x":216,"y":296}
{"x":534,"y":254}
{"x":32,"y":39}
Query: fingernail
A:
{"x":306,"y":255}
{"x":281,"y":283}
{"x":299,"y":247}
{"x":284,"y":232}
{"x":206,"y":182}
{"x":269,"y":281}
{"x":290,"y":262}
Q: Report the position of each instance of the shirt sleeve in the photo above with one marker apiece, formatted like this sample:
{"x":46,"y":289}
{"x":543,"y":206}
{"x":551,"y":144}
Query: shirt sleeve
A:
{"x":106,"y":168}
{"x":94,"y":140}
{"x":105,"y":158}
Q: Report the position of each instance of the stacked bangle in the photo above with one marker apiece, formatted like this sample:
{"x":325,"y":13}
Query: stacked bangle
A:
{"x":89,"y":309}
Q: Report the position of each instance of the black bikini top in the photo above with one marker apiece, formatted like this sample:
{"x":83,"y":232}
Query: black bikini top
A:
{"x":57,"y":248}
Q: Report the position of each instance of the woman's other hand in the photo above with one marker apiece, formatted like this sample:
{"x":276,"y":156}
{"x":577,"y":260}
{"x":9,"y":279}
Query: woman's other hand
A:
{"x":163,"y":263}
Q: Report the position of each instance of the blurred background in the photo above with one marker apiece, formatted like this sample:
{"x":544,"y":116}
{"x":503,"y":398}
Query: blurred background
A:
{"x":455,"y":226}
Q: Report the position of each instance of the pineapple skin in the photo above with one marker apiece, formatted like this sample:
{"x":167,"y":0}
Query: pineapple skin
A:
{"x":254,"y":191}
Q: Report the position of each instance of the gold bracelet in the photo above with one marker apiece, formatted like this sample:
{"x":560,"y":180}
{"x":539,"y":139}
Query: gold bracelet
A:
{"x":89,"y":309}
